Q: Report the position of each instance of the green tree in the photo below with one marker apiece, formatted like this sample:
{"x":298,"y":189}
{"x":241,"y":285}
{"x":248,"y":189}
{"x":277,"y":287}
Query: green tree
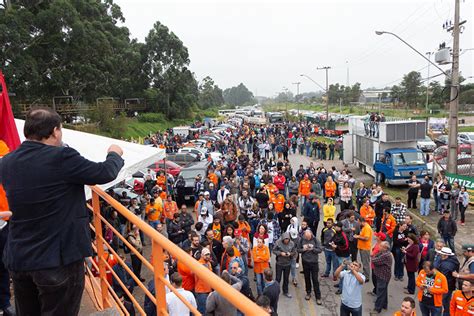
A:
{"x":396,"y":94}
{"x":66,"y":47}
{"x":210,"y":95}
{"x":165,"y":65}
{"x":238,"y":95}
{"x":411,"y":88}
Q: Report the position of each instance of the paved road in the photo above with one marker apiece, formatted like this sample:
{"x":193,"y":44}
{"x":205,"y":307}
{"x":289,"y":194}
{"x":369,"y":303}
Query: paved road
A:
{"x":331,"y":302}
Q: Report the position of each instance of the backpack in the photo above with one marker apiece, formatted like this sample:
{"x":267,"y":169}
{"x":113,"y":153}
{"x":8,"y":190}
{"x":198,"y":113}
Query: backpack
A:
{"x":347,"y":242}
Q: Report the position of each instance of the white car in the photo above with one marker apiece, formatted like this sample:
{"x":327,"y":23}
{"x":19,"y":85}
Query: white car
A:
{"x":426,"y":145}
{"x":198,"y":151}
{"x":467,"y":137}
{"x":216,"y":156}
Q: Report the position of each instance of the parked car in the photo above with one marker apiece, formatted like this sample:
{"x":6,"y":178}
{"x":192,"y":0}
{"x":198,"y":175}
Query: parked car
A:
{"x":182,"y":159}
{"x":189,"y":174}
{"x":196,"y":143}
{"x":464,"y":153}
{"x":467,"y":137}
{"x":171,"y":167}
{"x":443,"y":140}
{"x":201,"y":152}
{"x":426,"y":145}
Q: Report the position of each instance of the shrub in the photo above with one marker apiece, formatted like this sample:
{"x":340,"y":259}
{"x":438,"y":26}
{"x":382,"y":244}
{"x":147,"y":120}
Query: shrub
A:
{"x":152,"y":118}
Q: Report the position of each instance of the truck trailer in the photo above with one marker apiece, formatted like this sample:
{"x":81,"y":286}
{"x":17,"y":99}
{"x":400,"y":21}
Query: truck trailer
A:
{"x":391,"y":156}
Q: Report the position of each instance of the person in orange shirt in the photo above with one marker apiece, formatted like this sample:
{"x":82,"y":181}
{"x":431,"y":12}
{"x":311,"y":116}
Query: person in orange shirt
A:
{"x":169,"y":209}
{"x":213,"y":177}
{"x":186,"y":273}
{"x":303,"y":190}
{"x":261,"y":261}
{"x":153,"y":212}
{"x":364,"y":244}
{"x":366,"y":211}
{"x":201,"y":288}
{"x":388,"y":223}
{"x":462,"y":301}
{"x":270,"y":187}
{"x":431,"y":284}
{"x":278,"y":201}
{"x":161,"y":180}
{"x":329,"y":188}
{"x":407,"y":308}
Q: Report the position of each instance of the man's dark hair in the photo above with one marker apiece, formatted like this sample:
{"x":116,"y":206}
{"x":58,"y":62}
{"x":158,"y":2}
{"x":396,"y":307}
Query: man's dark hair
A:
{"x":410,"y":300}
{"x":263,"y":301}
{"x":40,"y":123}
{"x":268,"y":274}
{"x":198,"y":225}
{"x":230,"y":251}
{"x":177,"y":279}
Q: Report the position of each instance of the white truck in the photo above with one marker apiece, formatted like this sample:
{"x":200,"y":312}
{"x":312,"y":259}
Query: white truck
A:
{"x":387,"y":150}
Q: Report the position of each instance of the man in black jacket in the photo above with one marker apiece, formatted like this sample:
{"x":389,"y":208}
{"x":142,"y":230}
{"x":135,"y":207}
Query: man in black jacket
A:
{"x":380,"y":205}
{"x":49,"y":234}
{"x":447,"y":229}
{"x":271,"y":290}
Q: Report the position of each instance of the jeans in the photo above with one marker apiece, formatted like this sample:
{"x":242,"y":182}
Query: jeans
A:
{"x":454,"y":209}
{"x":331,"y":155}
{"x":285,"y":270}
{"x":427,"y":310}
{"x":331,"y":258}
{"x":446,"y":302}
{"x":293,"y":268}
{"x":55,"y":291}
{"x":382,"y":295}
{"x":154,"y":224}
{"x":399,"y":267}
{"x":411,"y":282}
{"x":425,"y":207}
{"x":449,"y":241}
{"x":462,"y":210}
{"x":365,"y":259}
{"x":4,"y":275}
{"x":260,"y":283}
{"x":310,"y":271}
{"x":136,"y":265}
{"x":346,"y":311}
{"x":443,"y":205}
{"x":201,"y":299}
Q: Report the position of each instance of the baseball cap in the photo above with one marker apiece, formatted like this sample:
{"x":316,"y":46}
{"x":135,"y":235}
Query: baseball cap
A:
{"x":204,"y":210}
{"x":468,"y":247}
{"x":237,"y":232}
{"x":380,"y":236}
{"x":205,"y":251}
{"x":206,"y":193}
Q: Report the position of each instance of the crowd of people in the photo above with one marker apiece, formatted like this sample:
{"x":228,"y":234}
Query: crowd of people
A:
{"x":255,"y":218}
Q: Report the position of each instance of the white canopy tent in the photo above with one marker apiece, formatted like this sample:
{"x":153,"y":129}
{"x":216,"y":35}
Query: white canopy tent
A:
{"x":94,"y":148}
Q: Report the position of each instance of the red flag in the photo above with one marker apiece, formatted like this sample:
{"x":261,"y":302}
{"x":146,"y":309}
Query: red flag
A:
{"x":9,"y":139}
{"x":8,"y":131}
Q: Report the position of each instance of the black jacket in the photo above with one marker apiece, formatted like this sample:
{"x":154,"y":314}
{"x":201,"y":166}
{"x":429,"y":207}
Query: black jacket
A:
{"x":447,"y":228}
{"x":45,"y":190}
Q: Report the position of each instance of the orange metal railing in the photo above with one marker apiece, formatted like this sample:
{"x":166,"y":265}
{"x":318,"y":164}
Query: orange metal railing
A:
{"x":107,"y":296}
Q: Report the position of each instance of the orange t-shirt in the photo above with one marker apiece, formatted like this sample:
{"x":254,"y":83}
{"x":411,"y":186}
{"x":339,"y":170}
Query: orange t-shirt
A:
{"x":366,"y":231}
{"x":154,"y":211}
{"x":161,"y":182}
{"x":201,"y":286}
{"x":187,"y":275}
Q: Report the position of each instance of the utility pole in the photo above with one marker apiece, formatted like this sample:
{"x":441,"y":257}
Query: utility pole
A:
{"x":428,"y":82}
{"x":327,"y":92}
{"x":297,"y":94}
{"x":454,"y":99}
{"x":347,"y":74}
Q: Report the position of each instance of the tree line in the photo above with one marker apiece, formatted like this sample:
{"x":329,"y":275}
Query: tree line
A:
{"x":79,"y":48}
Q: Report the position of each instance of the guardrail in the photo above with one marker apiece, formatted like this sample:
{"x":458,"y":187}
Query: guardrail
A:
{"x":107,"y":296}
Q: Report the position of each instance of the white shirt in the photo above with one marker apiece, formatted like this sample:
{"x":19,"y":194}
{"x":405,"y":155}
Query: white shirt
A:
{"x":175,"y":306}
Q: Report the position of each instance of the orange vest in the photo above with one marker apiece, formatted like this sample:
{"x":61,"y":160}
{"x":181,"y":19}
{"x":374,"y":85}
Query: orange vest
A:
{"x":330,"y":188}
{"x":108,"y":273}
{"x":439,"y":287}
{"x":460,"y":305}
{"x":305,"y":187}
{"x":399,"y":313}
{"x":389,"y":224}
{"x":261,"y":258}
{"x":279,"y":203}
{"x":368,"y":213}
{"x":169,"y":209}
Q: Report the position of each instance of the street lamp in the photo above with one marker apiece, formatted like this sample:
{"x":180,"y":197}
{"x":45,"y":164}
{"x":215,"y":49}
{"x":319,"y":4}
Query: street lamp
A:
{"x":413,"y":48}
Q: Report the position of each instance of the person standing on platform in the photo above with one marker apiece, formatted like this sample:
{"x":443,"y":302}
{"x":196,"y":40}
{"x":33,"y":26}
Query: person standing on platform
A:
{"x":49,"y":233}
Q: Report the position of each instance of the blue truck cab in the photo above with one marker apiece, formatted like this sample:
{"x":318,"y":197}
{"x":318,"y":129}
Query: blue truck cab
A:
{"x":395,"y":166}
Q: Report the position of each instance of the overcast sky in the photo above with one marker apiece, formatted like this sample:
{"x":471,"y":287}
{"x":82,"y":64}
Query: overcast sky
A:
{"x":268,"y":44}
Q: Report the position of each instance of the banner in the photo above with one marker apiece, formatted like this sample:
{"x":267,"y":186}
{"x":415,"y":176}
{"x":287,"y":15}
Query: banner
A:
{"x":9,"y":139}
{"x":466,"y":181}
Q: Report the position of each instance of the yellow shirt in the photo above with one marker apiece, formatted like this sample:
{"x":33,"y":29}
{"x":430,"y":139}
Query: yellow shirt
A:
{"x":366,"y":231}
